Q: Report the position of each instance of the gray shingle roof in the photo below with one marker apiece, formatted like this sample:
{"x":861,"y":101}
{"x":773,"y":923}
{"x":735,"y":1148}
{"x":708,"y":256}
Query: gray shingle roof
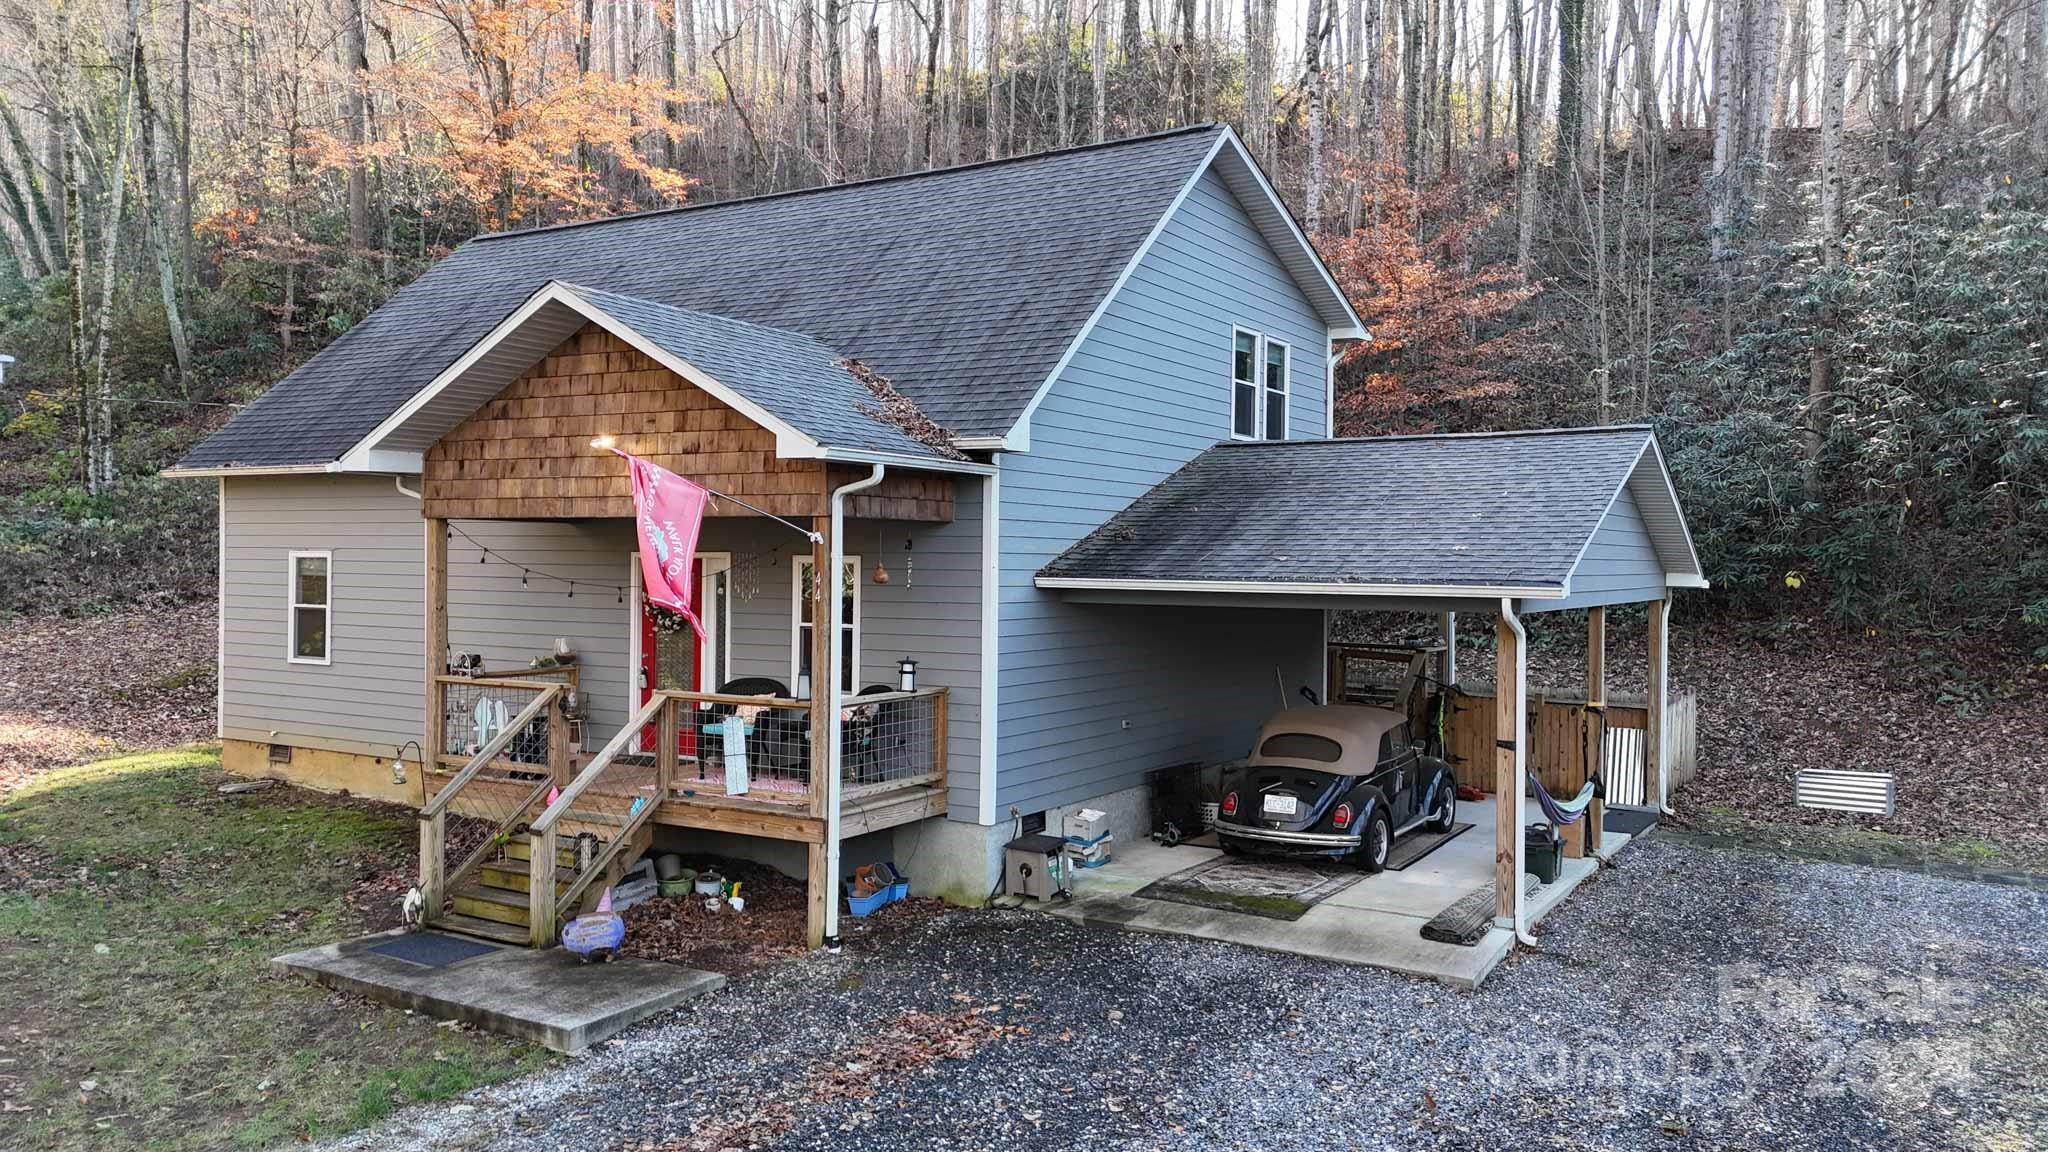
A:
{"x":963,"y":287}
{"x":1501,"y":510}
{"x":796,"y":379}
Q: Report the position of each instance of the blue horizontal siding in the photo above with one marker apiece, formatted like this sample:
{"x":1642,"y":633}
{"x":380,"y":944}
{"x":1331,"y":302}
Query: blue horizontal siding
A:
{"x":1147,"y":391}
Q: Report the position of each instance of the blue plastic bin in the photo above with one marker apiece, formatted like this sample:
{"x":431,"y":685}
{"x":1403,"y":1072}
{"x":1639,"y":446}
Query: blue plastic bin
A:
{"x":897,"y":889}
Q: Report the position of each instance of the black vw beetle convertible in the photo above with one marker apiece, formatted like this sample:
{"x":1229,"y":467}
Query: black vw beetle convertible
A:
{"x":1337,"y":781}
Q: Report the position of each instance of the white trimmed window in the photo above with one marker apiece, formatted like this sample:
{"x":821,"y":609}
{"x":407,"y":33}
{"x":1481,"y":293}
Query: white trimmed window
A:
{"x":309,"y":611}
{"x":1258,"y":386}
{"x":849,"y":627}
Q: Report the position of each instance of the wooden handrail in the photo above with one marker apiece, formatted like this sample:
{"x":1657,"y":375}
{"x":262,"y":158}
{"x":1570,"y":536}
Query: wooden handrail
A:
{"x":523,"y":683}
{"x":641,"y":719}
{"x":489,"y":751}
{"x":567,"y":897}
{"x":737,"y":701}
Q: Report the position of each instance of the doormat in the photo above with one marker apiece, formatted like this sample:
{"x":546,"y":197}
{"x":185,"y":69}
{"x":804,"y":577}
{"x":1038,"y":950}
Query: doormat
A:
{"x":1414,"y":846}
{"x":1465,"y":922}
{"x":1277,"y":890}
{"x":432,"y":949}
{"x":1631,"y":821}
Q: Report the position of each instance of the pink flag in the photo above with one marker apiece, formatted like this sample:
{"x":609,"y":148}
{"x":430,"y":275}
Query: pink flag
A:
{"x":669,"y":510}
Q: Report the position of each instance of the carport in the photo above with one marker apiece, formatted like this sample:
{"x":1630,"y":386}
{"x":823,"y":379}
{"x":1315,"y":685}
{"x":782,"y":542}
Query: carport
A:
{"x":1501,"y":524}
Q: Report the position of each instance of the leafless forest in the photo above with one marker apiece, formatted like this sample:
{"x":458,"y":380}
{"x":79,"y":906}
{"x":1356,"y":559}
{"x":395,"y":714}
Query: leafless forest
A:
{"x":1775,"y":227}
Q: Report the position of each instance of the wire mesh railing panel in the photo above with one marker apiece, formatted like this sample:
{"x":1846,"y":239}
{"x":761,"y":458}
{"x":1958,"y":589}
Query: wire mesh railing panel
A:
{"x":497,"y":763}
{"x":892,"y":739}
{"x":739,"y":746}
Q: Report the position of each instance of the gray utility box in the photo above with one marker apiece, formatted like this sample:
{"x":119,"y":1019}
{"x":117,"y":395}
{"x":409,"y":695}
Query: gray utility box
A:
{"x":1033,"y":866}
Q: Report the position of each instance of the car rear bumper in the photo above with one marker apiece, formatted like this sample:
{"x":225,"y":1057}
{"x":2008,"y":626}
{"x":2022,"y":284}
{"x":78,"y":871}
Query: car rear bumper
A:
{"x":1313,"y":841}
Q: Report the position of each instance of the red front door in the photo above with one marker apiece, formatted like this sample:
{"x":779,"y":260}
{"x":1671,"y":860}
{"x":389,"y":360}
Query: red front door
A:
{"x":669,"y":660}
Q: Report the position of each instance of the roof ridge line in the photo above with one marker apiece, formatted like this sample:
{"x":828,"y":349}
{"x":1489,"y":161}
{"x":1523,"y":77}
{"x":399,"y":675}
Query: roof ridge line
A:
{"x":791,"y":193}
{"x":1504,"y":434}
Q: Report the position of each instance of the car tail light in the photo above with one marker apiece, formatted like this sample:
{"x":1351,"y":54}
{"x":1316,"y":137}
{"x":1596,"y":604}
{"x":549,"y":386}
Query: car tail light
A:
{"x":1230,"y":804}
{"x":1342,"y":817}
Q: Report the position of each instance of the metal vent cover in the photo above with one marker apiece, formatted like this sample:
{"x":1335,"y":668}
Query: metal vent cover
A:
{"x":1872,"y":793}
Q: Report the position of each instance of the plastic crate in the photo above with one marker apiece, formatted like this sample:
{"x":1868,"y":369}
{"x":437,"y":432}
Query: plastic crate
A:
{"x":897,"y":889}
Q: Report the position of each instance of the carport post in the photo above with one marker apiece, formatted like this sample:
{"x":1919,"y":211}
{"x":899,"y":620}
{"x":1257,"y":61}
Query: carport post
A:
{"x":1596,"y":722}
{"x":1510,"y":730}
{"x":1653,"y":742}
{"x":1447,"y":664}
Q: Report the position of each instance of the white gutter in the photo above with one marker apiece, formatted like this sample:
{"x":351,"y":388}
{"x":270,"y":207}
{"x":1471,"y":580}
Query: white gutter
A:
{"x":1435,"y":591}
{"x":835,"y":557}
{"x":1507,"y":615}
{"x":271,"y":470}
{"x":399,"y":481}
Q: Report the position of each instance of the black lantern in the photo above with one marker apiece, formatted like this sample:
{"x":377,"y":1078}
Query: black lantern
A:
{"x":906,"y":674}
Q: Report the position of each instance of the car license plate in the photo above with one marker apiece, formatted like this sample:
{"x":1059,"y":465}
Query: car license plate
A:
{"x":1277,"y":804}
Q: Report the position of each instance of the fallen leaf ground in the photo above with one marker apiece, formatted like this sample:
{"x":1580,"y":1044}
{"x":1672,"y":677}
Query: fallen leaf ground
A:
{"x":77,"y":689}
{"x":138,"y":910}
{"x":1956,"y":719}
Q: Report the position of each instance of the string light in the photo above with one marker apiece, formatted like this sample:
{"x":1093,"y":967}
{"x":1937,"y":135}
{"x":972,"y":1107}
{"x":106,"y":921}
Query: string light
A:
{"x":485,"y":555}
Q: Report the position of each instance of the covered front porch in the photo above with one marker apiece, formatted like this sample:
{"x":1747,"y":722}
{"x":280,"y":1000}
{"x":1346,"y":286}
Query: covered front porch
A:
{"x":567,"y":719}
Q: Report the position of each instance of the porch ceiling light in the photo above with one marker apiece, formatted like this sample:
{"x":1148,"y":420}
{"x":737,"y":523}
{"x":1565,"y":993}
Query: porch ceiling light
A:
{"x":601,"y":443}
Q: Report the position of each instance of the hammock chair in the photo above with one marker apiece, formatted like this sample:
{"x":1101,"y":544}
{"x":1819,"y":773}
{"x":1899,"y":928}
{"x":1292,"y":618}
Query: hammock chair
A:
{"x":1563,"y":812}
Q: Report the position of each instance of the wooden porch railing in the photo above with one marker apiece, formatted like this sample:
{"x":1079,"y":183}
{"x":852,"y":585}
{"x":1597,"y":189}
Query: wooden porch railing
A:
{"x":501,"y":780}
{"x":758,"y":748}
{"x":608,"y":802}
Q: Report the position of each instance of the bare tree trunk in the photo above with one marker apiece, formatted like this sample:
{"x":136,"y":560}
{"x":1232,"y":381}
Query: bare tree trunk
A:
{"x":1312,"y":66}
{"x":1098,"y":71}
{"x":40,"y":228}
{"x":1486,"y":113}
{"x":1190,"y":100}
{"x":806,"y":85}
{"x":2036,"y":73}
{"x":1727,"y":145}
{"x":159,"y":231}
{"x":1834,"y":84}
{"x":1525,"y":142}
{"x":355,"y":49}
{"x":995,"y":76}
{"x":871,"y":75}
{"x":185,"y":139}
{"x":935,"y":35}
{"x":110,"y":232}
{"x":1063,"y":52}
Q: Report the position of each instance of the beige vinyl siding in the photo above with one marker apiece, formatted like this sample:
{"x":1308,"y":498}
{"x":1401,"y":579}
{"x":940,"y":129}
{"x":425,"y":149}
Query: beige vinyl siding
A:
{"x":366,"y":699}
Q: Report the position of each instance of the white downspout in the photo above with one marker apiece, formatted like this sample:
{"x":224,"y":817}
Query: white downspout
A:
{"x":1663,"y":607}
{"x":835,"y":560}
{"x":1514,"y":623}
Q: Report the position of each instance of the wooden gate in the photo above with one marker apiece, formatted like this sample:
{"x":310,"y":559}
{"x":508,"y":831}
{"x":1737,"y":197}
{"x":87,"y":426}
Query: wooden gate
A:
{"x":1561,"y":734}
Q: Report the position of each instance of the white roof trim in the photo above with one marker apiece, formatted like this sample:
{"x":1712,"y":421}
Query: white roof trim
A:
{"x":256,"y":470}
{"x":1018,"y":438}
{"x":790,"y":442}
{"x":1674,"y":579}
{"x":1466,"y":591}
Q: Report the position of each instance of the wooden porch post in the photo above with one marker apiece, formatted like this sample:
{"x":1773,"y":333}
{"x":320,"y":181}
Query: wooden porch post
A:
{"x":1653,"y":736}
{"x":1507,"y":703}
{"x":823,"y":585}
{"x":1596,"y":718}
{"x":436,"y":643}
{"x":434,"y":829}
{"x":665,"y":752}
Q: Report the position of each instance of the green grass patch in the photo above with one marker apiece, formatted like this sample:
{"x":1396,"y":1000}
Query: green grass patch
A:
{"x":139,"y":909}
{"x":1867,"y":845}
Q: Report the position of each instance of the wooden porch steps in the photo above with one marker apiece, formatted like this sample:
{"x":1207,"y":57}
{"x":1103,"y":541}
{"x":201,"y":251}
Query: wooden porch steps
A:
{"x":494,"y":902}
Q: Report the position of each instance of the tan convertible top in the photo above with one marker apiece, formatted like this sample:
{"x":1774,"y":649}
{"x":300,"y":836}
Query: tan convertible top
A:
{"x":1356,"y":728}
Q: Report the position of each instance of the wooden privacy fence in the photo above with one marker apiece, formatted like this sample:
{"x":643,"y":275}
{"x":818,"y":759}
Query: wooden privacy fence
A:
{"x":1560,"y":735}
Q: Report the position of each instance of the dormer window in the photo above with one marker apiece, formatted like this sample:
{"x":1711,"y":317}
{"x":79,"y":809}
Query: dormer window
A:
{"x":1258,"y":387}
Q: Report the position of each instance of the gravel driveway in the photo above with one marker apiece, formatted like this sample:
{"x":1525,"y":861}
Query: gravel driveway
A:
{"x":1693,"y":997}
